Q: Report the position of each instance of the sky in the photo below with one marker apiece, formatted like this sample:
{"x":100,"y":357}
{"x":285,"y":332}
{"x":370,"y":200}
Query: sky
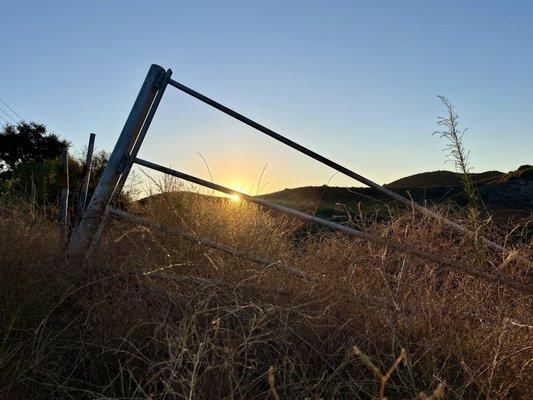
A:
{"x":353,"y":80}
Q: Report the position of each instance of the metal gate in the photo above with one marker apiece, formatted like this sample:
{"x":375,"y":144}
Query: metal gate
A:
{"x":124,"y":155}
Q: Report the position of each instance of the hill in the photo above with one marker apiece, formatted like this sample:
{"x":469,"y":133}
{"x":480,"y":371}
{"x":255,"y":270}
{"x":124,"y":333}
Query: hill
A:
{"x":441,"y":179}
{"x":503,"y":194}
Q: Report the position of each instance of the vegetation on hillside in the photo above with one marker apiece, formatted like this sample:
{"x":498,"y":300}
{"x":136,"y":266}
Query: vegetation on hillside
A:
{"x":154,"y":316}
{"x":441,"y":179}
{"x":505,"y":196}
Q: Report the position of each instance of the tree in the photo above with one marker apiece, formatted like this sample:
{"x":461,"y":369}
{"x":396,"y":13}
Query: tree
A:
{"x":30,"y":162}
{"x":30,"y":165}
{"x":28,"y":142}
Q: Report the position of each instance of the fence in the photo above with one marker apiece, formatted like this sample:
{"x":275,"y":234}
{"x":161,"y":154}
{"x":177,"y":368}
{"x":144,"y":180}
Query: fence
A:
{"x":93,"y":223}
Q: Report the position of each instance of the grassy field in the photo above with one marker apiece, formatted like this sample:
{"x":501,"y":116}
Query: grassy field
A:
{"x":153,"y":316}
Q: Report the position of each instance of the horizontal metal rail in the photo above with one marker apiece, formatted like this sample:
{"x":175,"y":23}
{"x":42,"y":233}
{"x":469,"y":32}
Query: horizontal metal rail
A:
{"x":329,"y":163}
{"x":239,"y":253}
{"x":205,"y":242}
{"x":451,"y":264}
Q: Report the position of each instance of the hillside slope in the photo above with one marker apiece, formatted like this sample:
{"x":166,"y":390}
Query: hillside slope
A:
{"x":441,"y":179}
{"x":505,"y":195}
{"x":510,"y":193}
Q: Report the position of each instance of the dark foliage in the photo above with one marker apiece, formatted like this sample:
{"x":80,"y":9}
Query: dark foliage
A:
{"x":30,"y":165}
{"x":28,"y":142}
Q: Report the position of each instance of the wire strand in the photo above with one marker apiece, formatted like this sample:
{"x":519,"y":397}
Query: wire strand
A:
{"x":9,"y":116}
{"x":8,"y":106}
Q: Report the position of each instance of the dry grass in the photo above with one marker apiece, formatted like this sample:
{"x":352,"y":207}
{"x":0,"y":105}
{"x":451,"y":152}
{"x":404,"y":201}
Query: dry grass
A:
{"x":219,"y":327}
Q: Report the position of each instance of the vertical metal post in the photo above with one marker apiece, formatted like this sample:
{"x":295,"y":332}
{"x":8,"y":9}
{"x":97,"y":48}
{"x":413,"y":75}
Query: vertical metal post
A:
{"x":117,"y":162}
{"x":63,"y":211}
{"x":86,"y":177}
{"x":142,"y":133}
{"x":129,"y":163}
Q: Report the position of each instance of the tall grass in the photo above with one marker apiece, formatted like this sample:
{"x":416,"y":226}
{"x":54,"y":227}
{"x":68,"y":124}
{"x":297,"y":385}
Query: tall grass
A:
{"x":220,"y":327}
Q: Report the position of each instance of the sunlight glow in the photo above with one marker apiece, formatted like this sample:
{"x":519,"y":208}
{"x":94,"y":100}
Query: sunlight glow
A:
{"x":235,"y":198}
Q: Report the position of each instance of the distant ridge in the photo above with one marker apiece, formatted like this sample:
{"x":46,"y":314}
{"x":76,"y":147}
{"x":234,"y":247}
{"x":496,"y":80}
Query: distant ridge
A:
{"x":442,"y":179}
{"x":508,"y":194}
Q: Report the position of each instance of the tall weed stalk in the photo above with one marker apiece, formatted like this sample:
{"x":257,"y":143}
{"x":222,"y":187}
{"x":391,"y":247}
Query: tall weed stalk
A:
{"x":459,"y":155}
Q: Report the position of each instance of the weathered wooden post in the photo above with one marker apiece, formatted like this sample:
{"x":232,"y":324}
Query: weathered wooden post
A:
{"x":86,"y":177}
{"x":63,"y":210}
{"x":117,"y":162}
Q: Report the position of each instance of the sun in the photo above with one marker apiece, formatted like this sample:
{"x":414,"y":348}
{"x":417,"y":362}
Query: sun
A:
{"x":235,"y":197}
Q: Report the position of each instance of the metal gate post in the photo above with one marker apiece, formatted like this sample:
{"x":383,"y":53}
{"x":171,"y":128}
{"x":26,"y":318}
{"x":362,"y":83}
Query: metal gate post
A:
{"x":63,"y":212}
{"x":117,"y":162}
{"x":129,"y":163}
{"x":86,"y":177}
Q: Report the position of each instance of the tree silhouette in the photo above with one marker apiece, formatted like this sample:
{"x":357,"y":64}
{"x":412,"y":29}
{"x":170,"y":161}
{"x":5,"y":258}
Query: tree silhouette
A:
{"x":28,"y":142}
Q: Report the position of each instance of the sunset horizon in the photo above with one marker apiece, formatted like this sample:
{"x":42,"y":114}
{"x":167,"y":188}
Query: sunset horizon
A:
{"x":320,"y":78}
{"x":280,"y":200}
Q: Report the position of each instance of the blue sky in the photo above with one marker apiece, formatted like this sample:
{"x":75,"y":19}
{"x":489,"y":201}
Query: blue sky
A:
{"x":356,"y":81}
